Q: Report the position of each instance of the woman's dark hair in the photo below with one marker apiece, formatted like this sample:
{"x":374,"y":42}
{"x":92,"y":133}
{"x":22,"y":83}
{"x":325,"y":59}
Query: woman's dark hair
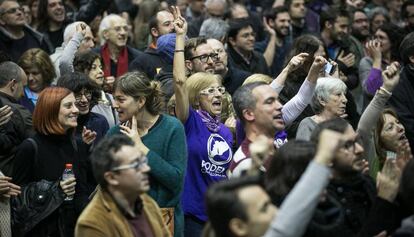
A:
{"x":303,"y":44}
{"x":83,"y":61}
{"x":76,"y":81}
{"x":287,"y":167}
{"x":395,"y":35}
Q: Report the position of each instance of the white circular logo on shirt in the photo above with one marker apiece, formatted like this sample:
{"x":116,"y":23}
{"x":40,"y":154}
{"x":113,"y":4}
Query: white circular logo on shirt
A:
{"x":218,"y":149}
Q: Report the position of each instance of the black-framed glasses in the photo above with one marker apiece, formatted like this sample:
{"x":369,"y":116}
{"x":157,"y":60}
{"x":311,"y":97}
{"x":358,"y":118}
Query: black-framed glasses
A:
{"x":13,"y":10}
{"x":87,"y":94}
{"x":137,"y":165}
{"x":212,"y":90}
{"x":204,"y":57}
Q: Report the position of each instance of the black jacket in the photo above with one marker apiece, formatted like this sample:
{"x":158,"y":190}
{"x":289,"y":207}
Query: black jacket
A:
{"x":257,"y":62}
{"x":37,"y":201}
{"x":149,"y":62}
{"x":402,"y":100}
{"x":36,"y":39}
{"x":13,"y":133}
{"x":234,"y":78}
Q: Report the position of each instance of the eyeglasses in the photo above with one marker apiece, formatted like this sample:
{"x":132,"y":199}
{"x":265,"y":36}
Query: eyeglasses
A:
{"x":204,"y":57}
{"x":213,"y":90}
{"x":87,"y":94}
{"x":137,"y":165}
{"x":13,"y":10}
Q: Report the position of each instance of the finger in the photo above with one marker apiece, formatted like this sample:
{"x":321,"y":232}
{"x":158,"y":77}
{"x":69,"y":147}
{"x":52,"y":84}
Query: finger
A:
{"x":5,"y":178}
{"x":125,"y":129}
{"x":134,"y":123}
{"x":14,"y":186}
{"x":178,"y":11}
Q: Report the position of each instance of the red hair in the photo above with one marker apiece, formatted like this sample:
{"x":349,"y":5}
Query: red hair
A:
{"x":46,"y":112}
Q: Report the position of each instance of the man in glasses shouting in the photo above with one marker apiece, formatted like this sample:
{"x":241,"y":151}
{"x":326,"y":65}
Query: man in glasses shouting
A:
{"x":15,"y":35}
{"x":121,"y":206}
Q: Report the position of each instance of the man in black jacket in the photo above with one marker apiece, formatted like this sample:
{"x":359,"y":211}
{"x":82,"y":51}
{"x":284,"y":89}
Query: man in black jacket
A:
{"x":12,"y":81}
{"x":402,"y":98}
{"x":15,"y":36}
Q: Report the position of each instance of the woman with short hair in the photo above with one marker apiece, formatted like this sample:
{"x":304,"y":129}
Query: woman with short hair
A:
{"x":42,"y":160}
{"x":328,"y":101}
{"x":40,"y":73}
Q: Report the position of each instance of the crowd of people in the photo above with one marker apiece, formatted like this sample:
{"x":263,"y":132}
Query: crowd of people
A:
{"x":212,"y":118}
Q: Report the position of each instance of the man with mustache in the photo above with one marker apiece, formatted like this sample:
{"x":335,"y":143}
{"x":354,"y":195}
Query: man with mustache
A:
{"x":121,"y":206}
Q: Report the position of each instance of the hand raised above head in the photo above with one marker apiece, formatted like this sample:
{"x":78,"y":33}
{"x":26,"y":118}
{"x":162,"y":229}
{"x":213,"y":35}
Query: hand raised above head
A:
{"x":391,"y":76}
{"x":180,"y":24}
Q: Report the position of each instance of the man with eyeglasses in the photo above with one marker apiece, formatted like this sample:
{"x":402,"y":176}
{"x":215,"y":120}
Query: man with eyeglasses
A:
{"x":15,"y":35}
{"x":199,"y":56}
{"x":241,"y":40}
{"x":121,"y":206}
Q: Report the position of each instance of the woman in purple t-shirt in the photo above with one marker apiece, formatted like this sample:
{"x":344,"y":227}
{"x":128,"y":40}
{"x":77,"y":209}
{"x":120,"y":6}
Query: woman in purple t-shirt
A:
{"x":198,"y":106}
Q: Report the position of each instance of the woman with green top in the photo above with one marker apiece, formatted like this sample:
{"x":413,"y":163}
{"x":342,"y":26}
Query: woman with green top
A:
{"x":159,"y":136}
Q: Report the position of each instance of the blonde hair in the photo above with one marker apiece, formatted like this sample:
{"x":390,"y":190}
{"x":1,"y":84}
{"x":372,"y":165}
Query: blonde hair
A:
{"x":198,"y":82}
{"x":257,"y":77}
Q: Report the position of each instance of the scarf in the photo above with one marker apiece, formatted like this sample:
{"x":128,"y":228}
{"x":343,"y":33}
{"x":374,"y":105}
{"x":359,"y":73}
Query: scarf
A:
{"x":213,"y":124}
{"x":122,"y":65}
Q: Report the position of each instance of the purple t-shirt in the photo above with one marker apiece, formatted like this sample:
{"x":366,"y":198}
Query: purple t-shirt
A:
{"x":209,"y":156}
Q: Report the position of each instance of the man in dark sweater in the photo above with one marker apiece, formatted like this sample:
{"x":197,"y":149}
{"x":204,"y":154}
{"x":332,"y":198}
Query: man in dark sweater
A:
{"x":15,"y":36}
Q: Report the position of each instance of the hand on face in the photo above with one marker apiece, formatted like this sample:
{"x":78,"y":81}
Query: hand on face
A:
{"x":374,"y":49}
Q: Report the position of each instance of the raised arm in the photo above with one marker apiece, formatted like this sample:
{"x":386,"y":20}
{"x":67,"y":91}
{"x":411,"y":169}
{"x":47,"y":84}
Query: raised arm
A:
{"x":294,"y":107}
{"x":182,"y":106}
{"x":297,"y":210}
{"x":68,"y":55}
{"x":270,"y":51}
{"x":279,"y":82}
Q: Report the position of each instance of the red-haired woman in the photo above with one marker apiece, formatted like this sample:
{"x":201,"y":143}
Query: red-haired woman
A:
{"x":40,"y":162}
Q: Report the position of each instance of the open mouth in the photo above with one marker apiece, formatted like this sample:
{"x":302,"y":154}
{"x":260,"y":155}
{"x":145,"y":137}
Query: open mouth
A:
{"x":278,"y":117}
{"x":403,"y":137}
{"x":217,"y":104}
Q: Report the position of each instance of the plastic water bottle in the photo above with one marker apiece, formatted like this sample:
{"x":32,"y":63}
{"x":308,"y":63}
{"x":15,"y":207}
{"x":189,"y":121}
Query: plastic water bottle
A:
{"x":67,"y":174}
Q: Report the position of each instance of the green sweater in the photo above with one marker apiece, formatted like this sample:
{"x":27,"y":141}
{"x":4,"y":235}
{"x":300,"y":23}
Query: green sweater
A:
{"x":167,"y":158}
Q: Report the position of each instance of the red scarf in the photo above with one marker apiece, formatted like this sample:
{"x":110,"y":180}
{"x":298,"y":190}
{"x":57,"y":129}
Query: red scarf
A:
{"x":122,"y":65}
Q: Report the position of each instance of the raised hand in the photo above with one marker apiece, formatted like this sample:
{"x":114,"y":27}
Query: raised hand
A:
{"x":81,"y":28}
{"x":297,"y":61}
{"x":260,"y":150}
{"x":374,"y":49}
{"x":391,"y":76}
{"x":268,"y":29}
{"x":5,"y":114}
{"x":404,"y":155}
{"x":329,"y":141}
{"x":388,"y":180}
{"x":88,"y":136}
{"x":180,"y":24}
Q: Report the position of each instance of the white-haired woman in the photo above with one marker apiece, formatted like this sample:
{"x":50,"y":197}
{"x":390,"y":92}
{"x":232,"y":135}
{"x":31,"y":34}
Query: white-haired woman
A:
{"x":328,"y":101}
